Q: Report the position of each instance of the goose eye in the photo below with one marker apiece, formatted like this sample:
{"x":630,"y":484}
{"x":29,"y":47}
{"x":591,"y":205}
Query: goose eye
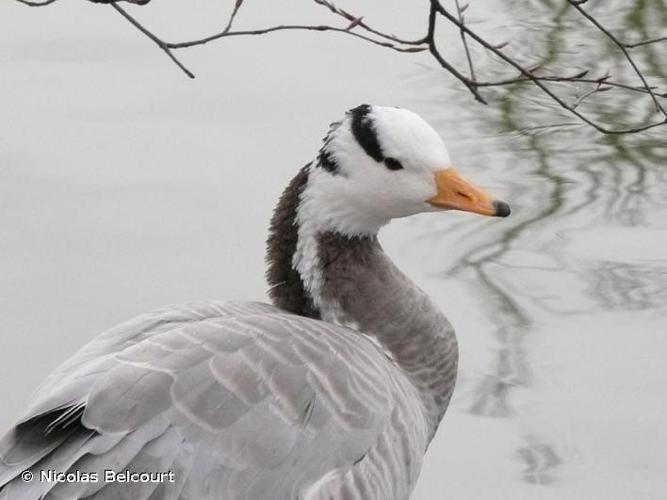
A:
{"x":392,"y":164}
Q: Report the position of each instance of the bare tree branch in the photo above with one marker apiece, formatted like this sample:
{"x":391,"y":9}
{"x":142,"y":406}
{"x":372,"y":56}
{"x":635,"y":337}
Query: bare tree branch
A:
{"x":290,"y":27}
{"x":435,"y":4}
{"x":577,"y":5}
{"x":167,"y":47}
{"x":433,"y":48}
{"x":356,"y":26}
{"x":155,"y":39}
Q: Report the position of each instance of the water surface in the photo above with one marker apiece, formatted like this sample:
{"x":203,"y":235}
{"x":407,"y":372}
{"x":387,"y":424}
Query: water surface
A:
{"x":125,"y":186}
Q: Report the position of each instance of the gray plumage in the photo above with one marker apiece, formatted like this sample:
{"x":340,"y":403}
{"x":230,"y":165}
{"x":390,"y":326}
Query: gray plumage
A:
{"x":334,"y":392}
{"x":242,"y":401}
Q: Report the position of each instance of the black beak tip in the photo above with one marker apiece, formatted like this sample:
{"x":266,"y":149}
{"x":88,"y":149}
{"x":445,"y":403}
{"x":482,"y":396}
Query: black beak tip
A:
{"x":502,"y":209}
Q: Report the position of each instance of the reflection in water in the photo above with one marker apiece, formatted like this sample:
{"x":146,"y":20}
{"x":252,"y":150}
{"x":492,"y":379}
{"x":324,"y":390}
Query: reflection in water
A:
{"x":539,"y":461}
{"x":629,"y":287}
{"x":585,"y":180}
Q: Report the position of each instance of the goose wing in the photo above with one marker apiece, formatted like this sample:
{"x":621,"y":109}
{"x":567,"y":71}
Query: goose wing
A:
{"x":238,"y":398}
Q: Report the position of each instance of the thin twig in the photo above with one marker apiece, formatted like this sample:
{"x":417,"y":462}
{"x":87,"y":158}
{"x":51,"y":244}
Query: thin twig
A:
{"x":645,"y":42}
{"x":155,"y":39}
{"x":585,"y":95}
{"x":362,"y":24}
{"x":237,"y":6}
{"x":465,"y":42}
{"x":36,"y":3}
{"x":567,"y":79}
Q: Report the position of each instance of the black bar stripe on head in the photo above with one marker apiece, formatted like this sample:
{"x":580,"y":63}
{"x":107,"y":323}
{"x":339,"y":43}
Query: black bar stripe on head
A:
{"x":364,"y":132}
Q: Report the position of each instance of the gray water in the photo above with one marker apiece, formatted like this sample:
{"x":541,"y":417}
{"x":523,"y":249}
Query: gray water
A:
{"x":125,"y":186}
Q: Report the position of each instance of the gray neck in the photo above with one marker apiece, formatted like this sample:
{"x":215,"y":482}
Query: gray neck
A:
{"x":352,"y":282}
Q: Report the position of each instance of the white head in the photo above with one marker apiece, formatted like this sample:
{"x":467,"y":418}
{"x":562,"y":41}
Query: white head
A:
{"x":381,"y":163}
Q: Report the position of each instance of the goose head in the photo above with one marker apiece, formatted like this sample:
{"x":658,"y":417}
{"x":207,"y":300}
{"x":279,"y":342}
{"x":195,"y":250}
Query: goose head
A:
{"x":381,"y":163}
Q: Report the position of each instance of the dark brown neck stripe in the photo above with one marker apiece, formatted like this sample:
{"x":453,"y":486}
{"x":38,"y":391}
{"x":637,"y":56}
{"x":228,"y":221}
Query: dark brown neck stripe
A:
{"x":287,"y":290}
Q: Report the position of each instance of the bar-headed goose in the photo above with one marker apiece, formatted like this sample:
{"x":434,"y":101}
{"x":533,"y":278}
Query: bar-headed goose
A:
{"x":332,"y":392}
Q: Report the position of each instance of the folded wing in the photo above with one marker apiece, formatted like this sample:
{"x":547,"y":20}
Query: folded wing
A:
{"x":238,"y":399}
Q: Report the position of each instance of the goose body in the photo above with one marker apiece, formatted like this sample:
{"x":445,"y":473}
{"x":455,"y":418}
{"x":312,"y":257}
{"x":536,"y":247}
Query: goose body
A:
{"x":332,"y":392}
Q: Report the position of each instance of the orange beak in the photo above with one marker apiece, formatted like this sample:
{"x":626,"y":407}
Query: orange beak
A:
{"x":455,"y":192}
